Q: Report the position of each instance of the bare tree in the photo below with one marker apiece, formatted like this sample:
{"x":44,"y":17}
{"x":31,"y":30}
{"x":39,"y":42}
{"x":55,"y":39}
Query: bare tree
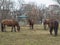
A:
{"x":5,"y":7}
{"x":32,"y":11}
{"x":57,"y":1}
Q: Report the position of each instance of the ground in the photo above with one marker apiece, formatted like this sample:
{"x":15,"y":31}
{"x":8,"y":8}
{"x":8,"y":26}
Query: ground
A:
{"x":37,"y":36}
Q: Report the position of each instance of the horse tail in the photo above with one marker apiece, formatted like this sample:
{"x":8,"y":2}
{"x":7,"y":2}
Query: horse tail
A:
{"x":1,"y":27}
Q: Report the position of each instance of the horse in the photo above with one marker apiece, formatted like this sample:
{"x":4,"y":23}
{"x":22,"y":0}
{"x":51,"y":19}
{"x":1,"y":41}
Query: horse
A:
{"x":11,"y":23}
{"x":31,"y":23}
{"x":53,"y":24}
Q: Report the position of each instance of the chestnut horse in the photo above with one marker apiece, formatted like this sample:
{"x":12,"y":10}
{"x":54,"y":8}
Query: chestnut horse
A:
{"x":53,"y":25}
{"x":9,"y":22}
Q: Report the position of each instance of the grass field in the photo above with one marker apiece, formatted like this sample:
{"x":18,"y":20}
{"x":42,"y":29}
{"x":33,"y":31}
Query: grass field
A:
{"x":38,"y":36}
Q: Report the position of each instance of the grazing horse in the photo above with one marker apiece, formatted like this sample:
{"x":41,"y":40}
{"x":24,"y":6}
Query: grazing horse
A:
{"x":31,"y":23}
{"x":53,"y":25}
{"x":10,"y":22}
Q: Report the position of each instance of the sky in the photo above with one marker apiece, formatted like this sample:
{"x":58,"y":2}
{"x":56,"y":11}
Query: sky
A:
{"x":38,"y":2}
{"x":45,"y":2}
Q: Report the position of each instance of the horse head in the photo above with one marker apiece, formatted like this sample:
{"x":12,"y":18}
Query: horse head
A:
{"x":18,"y":28}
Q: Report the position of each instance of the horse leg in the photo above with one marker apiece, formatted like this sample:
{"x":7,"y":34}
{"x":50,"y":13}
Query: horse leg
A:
{"x":14,"y":28}
{"x":2,"y":28}
{"x":32,"y":26}
{"x":51,"y":29}
{"x":45,"y":27}
{"x":55,"y":31}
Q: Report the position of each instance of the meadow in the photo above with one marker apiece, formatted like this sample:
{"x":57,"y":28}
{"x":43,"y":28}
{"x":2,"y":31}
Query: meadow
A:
{"x":26,"y":36}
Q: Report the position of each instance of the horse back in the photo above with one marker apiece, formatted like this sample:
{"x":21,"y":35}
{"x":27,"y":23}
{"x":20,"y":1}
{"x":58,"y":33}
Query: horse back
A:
{"x":9,"y":22}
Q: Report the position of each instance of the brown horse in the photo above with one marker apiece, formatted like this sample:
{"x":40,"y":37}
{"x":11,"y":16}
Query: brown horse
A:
{"x":31,"y":23}
{"x":10,"y":22}
{"x":53,"y":25}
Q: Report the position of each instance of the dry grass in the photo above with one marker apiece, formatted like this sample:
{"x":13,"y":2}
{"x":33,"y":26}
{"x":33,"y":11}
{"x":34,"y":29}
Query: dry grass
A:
{"x":38,"y":36}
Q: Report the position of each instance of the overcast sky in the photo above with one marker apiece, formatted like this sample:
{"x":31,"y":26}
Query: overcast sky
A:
{"x":38,"y":2}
